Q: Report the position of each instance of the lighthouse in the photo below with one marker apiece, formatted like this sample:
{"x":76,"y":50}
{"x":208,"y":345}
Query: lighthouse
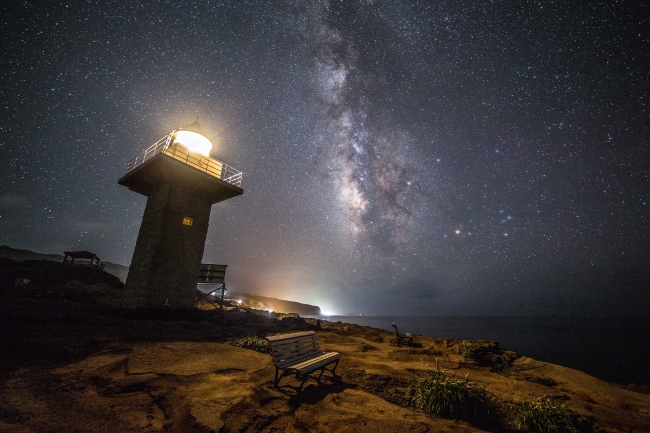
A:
{"x":181,"y":182}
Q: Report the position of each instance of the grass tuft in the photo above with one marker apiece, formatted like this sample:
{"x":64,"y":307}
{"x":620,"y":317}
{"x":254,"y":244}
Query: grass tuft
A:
{"x":447,"y":396}
{"x":548,"y":416}
{"x":254,"y":343}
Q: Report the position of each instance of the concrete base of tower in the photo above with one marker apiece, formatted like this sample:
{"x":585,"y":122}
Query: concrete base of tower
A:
{"x":152,"y":303}
{"x":166,"y":262}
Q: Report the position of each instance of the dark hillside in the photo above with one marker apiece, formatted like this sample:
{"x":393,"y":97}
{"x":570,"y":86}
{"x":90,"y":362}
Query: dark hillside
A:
{"x":119,"y":271}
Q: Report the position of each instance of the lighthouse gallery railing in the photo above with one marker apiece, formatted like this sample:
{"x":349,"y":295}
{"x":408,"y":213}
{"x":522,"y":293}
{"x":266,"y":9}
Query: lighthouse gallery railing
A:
{"x":206,"y":164}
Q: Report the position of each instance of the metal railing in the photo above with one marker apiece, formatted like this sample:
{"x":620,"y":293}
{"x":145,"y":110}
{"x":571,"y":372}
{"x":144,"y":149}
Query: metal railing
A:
{"x":206,"y":164}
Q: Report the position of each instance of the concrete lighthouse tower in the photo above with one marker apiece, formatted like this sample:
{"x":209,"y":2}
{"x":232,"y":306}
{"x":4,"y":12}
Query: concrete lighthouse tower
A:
{"x":181,"y":183}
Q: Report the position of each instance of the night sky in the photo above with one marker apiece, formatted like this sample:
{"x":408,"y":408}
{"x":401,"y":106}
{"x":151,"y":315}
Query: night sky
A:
{"x":398,"y":157}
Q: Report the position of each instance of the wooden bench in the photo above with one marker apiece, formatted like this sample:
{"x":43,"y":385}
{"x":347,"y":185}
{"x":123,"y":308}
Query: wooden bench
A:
{"x":300,"y":353}
{"x":406,"y":338}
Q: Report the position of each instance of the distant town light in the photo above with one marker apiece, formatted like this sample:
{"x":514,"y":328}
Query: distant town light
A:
{"x":194,"y":142}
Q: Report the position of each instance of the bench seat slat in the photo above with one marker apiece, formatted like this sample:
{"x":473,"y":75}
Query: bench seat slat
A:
{"x":293,"y":349}
{"x":306,"y":345}
{"x":297,"y":359}
{"x":289,"y":343}
{"x":311,"y":364}
{"x":290,"y":352}
{"x":289,"y":340}
{"x":314,"y":363}
{"x":287,"y":351}
{"x":282,"y":337}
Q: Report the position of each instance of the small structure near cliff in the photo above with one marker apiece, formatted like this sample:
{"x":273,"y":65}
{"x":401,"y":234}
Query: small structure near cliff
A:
{"x":83,"y":258}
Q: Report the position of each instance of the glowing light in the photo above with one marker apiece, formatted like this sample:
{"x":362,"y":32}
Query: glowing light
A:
{"x":194,"y":142}
{"x":457,"y":232}
{"x":239,"y":301}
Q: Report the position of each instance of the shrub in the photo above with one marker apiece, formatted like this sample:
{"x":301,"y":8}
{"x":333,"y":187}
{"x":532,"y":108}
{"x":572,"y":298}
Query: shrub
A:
{"x":254,"y":343}
{"x":505,"y":360}
{"x":447,"y":396}
{"x":470,"y":350}
{"x":548,"y":416}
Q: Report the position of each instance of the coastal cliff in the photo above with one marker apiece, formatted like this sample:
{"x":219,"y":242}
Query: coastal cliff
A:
{"x":278,"y":305}
{"x":74,"y":362}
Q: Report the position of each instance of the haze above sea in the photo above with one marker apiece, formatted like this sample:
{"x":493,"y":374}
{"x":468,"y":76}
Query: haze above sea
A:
{"x":612,"y":349}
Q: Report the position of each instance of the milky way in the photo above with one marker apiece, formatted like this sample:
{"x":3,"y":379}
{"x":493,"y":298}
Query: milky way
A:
{"x":398,"y":157}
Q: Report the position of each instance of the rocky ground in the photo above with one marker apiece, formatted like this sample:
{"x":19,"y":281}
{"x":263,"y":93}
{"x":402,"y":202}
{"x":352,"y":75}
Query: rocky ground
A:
{"x":70,"y":363}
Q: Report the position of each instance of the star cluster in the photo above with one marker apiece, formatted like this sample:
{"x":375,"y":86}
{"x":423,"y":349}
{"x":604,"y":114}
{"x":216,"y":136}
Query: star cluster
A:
{"x":398,"y":157}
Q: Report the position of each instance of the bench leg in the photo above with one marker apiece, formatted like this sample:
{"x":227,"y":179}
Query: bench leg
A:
{"x":331,"y":370}
{"x":305,"y":376}
{"x":304,"y":379}
{"x":279,"y":378}
{"x":334,"y":369}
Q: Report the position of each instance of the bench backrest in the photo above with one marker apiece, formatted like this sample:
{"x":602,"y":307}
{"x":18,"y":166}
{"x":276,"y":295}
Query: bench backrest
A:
{"x":289,"y":349}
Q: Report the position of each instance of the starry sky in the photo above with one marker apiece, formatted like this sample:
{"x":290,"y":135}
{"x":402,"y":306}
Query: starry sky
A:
{"x":398,"y":157}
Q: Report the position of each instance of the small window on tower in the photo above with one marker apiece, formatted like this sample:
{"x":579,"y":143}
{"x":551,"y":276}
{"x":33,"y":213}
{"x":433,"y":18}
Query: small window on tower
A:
{"x":187,"y":221}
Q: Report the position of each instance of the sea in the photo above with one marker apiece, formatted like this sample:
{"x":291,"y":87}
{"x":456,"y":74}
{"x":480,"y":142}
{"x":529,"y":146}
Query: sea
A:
{"x":612,"y":349}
